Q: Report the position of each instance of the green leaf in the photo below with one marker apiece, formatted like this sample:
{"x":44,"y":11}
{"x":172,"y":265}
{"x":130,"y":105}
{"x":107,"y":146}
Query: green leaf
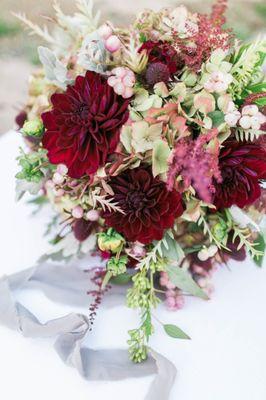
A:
{"x":142,"y":37}
{"x":217,"y":118}
{"x":261,"y":102}
{"x":183,"y":280}
{"x":257,"y":88}
{"x":175,"y":332}
{"x":106,"y":279}
{"x":121,"y":279}
{"x":160,"y":157}
{"x":260,"y":246}
{"x":172,"y":249}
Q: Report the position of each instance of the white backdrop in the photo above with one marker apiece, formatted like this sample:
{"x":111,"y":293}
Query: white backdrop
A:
{"x":225,"y":360}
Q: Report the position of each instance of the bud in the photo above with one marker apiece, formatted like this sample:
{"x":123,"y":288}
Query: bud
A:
{"x":62,"y":169}
{"x":58,"y":179}
{"x":33,"y":128}
{"x":110,"y":241}
{"x":117,"y":266}
{"x":93,"y":215}
{"x":77,"y":212}
{"x":219,"y":230}
{"x":113,"y":44}
{"x":203,"y":255}
{"x":105,"y":31}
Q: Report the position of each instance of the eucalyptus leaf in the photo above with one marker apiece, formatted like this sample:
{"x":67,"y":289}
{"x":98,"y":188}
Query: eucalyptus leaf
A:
{"x":183,"y":280}
{"x":160,"y":155}
{"x":174,"y":332}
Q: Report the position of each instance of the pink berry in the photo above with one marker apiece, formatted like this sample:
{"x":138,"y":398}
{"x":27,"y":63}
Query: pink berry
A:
{"x":105,"y":31}
{"x":58,"y":179}
{"x":62,"y":169}
{"x":59,"y":192}
{"x":93,"y":215}
{"x":163,"y":281}
{"x":170,"y":285}
{"x":49,"y":184}
{"x":170,"y":293}
{"x":77,"y":212}
{"x":113,"y":44}
{"x":171,"y":303}
{"x":180,"y":302}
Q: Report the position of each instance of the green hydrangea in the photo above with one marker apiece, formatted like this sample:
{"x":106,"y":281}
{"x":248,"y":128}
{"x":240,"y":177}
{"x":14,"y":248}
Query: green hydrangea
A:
{"x":117,"y":266}
{"x":32,"y":166}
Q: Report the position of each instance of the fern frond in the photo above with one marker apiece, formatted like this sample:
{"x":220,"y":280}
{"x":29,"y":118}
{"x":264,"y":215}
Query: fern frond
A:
{"x":86,"y":11}
{"x":207,"y":231}
{"x":243,"y":235}
{"x":246,"y":66}
{"x":35,"y":29}
{"x":153,"y":255}
{"x":159,"y":251}
{"x":105,"y":203}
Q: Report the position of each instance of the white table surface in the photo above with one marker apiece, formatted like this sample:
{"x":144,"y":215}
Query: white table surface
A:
{"x":225,"y":360}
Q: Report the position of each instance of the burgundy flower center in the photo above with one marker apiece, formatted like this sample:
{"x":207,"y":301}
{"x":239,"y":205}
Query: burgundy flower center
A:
{"x":136,"y":200}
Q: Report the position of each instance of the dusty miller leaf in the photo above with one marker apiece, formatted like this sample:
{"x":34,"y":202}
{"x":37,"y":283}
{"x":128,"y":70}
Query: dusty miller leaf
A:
{"x":55,"y":71}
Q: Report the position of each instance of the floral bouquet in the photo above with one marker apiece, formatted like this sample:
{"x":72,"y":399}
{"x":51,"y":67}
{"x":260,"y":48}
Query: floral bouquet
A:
{"x":149,"y":142}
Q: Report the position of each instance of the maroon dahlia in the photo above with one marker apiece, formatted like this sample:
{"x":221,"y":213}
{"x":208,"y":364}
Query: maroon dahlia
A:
{"x":83,"y":127}
{"x":243,"y":167}
{"x":162,"y":52}
{"x":149,"y":209}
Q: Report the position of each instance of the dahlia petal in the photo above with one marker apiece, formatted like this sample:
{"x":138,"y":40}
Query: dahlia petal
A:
{"x":49,"y":121}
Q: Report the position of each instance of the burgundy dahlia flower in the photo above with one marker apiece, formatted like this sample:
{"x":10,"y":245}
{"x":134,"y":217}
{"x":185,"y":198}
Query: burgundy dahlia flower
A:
{"x":83,"y":127}
{"x":149,"y":209}
{"x":162,"y":52}
{"x":243,"y":166}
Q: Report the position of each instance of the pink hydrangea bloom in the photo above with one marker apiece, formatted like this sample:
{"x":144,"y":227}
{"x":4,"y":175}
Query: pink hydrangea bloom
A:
{"x":122,"y":81}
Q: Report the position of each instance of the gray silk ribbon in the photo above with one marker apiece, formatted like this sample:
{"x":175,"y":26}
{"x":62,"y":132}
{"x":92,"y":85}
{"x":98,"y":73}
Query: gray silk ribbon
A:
{"x":68,"y":285}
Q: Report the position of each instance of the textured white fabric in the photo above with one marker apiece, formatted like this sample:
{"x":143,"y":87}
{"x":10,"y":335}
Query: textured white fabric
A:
{"x":225,"y":360}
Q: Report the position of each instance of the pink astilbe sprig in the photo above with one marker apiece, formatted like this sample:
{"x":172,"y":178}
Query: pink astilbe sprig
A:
{"x":196,"y":161}
{"x":218,"y":12}
{"x":210,"y":36}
